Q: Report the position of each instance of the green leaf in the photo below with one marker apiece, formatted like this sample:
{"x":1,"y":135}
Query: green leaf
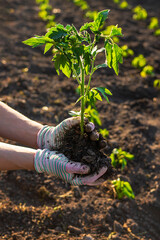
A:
{"x":86,"y":26}
{"x":57,"y":32}
{"x":35,"y":41}
{"x":99,"y":21}
{"x":108,"y":47}
{"x":47,"y":47}
{"x":100,"y":66}
{"x":116,"y":31}
{"x":104,"y":91}
{"x":62,"y":63}
{"x":116,"y":57}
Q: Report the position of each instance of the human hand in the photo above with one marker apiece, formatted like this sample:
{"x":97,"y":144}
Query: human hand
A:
{"x":52,"y":137}
{"x":59,"y":165}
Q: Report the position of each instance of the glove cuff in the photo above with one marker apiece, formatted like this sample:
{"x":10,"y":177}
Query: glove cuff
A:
{"x":43,"y":140}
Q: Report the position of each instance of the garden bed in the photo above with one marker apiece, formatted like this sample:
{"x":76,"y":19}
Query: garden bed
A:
{"x":37,"y":206}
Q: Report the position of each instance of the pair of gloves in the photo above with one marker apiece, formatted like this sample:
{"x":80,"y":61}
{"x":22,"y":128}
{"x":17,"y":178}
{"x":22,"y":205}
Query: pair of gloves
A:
{"x":52,"y":162}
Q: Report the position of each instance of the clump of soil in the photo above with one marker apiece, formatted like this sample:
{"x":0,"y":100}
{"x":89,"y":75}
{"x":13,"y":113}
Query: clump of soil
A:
{"x":80,"y":148}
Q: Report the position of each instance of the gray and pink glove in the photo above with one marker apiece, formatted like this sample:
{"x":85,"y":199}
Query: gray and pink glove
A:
{"x":50,"y":162}
{"x":52,"y":137}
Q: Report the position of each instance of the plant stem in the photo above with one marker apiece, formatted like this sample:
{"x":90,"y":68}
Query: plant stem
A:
{"x":82,"y":100}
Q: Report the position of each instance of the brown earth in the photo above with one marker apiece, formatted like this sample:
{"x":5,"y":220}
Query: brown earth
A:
{"x":36,"y":206}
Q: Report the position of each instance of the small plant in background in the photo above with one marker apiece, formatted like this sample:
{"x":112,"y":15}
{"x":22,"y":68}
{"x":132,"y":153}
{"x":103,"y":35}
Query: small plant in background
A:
{"x":104,"y":132}
{"x":124,"y":4}
{"x":82,"y":4}
{"x":139,"y":62}
{"x":157,"y":32}
{"x":75,"y":54}
{"x":139,"y":13}
{"x":127,"y":51}
{"x":46,"y":12}
{"x":153,"y":23}
{"x":148,"y":70}
{"x":156,"y":83}
{"x":119,"y":158}
{"x":122,"y":189}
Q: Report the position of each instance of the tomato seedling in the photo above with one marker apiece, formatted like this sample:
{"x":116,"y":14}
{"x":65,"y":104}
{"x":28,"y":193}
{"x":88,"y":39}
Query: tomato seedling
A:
{"x":122,"y":189}
{"x":148,"y":70}
{"x":156,"y":83}
{"x":119,"y":158}
{"x":75,"y":53}
{"x":153,"y":23}
{"x":127,"y":51}
{"x":139,"y":13}
{"x":139,"y":62}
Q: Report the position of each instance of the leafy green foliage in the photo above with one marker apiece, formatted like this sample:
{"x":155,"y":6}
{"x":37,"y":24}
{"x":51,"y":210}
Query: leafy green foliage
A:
{"x":157,"y":32}
{"x":46,"y":12}
{"x":156,"y":83}
{"x":82,"y":4}
{"x":74,"y":53}
{"x":104,"y":132}
{"x":127,"y":51}
{"x":154,"y":23}
{"x":122,"y":189}
{"x":139,"y":62}
{"x":123,"y":5}
{"x":93,"y":115}
{"x":148,"y":70}
{"x":139,"y":13}
{"x":119,"y":158}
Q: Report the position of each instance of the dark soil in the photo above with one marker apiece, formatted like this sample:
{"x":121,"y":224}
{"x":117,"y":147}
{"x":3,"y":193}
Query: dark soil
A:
{"x":37,"y":206}
{"x":81,"y":149}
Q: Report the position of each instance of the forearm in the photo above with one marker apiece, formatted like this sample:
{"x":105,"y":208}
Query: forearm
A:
{"x":17,"y":127}
{"x":15,"y":157}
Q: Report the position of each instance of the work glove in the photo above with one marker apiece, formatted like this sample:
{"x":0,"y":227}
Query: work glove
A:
{"x":51,"y":162}
{"x":52,"y":137}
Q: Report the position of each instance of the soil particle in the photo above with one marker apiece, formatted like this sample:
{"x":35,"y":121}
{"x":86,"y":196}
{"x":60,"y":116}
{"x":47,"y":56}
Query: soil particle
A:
{"x":74,"y":230}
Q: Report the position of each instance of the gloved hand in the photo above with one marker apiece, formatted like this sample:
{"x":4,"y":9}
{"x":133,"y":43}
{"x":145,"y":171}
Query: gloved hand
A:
{"x":59,"y":165}
{"x":52,"y":137}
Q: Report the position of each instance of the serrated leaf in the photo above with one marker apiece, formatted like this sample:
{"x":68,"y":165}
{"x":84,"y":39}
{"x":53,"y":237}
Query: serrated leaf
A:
{"x":61,"y":63}
{"x":47,"y":47}
{"x":108,"y":47}
{"x":100,"y":19}
{"x":86,"y":26}
{"x":116,"y":31}
{"x":104,"y":91}
{"x":57,"y":32}
{"x":116,"y":57}
{"x":35,"y":41}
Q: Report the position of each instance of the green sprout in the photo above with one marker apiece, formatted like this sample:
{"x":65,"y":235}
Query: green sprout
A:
{"x":157,"y":32}
{"x":75,"y":53}
{"x":123,"y":5}
{"x":104,"y":132}
{"x":139,"y":62}
{"x":127,"y":51}
{"x":122,"y":189}
{"x":148,"y":70}
{"x":119,"y":158}
{"x":82,"y":4}
{"x":153,"y":23}
{"x":156,"y":83}
{"x":45,"y":12}
{"x":139,"y":13}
